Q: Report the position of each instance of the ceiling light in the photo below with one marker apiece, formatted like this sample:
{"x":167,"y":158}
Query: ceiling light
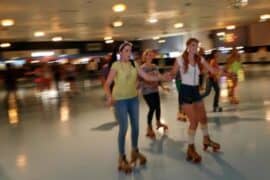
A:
{"x":42,"y":53}
{"x":221,"y":34}
{"x":239,"y":3}
{"x":58,"y":38}
{"x":264,"y":17}
{"x":162,"y":41}
{"x":107,"y":38}
{"x":243,"y":2}
{"x":239,"y":47}
{"x":119,"y":8}
{"x":156,"y":38}
{"x":109,"y":41}
{"x":5,"y":45}
{"x":39,"y":34}
{"x":7,"y":22}
{"x":178,"y":25}
{"x":117,"y":23}
{"x":231,"y":27}
{"x":152,"y":20}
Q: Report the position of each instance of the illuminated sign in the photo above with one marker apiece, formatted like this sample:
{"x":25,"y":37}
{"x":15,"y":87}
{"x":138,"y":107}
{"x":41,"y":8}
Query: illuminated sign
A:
{"x":93,"y":47}
{"x":231,"y":37}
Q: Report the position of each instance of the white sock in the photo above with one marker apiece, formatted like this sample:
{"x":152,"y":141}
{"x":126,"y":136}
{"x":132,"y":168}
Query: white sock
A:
{"x":191,"y":136}
{"x":204,"y":128}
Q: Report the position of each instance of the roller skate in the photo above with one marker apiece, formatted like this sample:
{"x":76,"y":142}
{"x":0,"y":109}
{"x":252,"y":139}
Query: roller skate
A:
{"x":150,"y":133}
{"x":124,"y":165}
{"x":137,"y":156}
{"x":207,"y":142}
{"x":161,"y":125}
{"x":192,"y":155}
{"x":217,"y":109}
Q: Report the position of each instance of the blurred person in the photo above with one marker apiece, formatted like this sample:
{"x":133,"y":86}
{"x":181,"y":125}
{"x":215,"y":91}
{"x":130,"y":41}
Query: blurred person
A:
{"x":124,"y":96}
{"x":10,"y":79}
{"x":92,"y":68}
{"x":70,"y":76}
{"x":190,"y":65}
{"x":233,"y":66}
{"x":43,"y":78}
{"x":47,"y":76}
{"x":58,"y":75}
{"x":150,"y":93}
{"x":202,"y":75}
{"x":213,"y":82}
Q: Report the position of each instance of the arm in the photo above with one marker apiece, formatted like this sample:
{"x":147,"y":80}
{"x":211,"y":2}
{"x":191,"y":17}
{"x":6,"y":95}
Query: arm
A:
{"x":148,"y":77}
{"x":175,"y":69}
{"x":107,"y":85}
{"x":212,"y":70}
{"x":209,"y":68}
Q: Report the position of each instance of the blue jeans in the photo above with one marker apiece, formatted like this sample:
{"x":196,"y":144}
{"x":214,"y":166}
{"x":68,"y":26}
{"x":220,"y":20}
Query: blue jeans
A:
{"x":123,"y":108}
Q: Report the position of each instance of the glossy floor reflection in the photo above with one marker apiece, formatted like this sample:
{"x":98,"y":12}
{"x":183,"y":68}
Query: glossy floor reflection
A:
{"x":75,"y":138}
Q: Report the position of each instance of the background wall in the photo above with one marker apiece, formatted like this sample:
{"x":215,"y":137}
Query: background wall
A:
{"x":259,"y":34}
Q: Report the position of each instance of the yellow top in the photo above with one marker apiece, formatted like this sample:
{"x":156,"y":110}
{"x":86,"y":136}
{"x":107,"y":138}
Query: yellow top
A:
{"x":125,"y":81}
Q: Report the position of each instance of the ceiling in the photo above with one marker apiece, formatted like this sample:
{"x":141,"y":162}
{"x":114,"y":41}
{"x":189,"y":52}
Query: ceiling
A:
{"x":92,"y":19}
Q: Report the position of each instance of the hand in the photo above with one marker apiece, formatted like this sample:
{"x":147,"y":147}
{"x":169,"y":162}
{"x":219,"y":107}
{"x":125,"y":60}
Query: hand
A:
{"x":167,"y":76}
{"x":110,"y":101}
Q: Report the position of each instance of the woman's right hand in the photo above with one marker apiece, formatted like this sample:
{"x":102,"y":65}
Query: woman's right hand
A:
{"x":167,"y":76}
{"x":110,"y":101}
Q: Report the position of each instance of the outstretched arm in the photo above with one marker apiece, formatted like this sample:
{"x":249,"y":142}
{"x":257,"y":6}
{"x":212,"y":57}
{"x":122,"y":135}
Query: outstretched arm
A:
{"x":148,"y":77}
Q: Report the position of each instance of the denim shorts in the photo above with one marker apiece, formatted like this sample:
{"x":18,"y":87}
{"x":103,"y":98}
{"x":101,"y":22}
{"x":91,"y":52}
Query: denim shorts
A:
{"x":189,"y":94}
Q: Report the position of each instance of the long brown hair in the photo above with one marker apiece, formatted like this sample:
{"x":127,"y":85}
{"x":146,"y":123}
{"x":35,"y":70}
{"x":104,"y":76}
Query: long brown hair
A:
{"x":197,"y":58}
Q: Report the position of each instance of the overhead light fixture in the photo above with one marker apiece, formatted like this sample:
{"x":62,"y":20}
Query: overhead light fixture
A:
{"x":107,"y":38}
{"x":241,"y":51}
{"x":162,"y":41}
{"x":152,"y":20}
{"x":239,"y":47}
{"x":109,"y":41}
{"x":174,"y":54}
{"x":239,"y":3}
{"x":119,"y":8}
{"x":117,"y":23}
{"x":7,"y":22}
{"x":221,"y":34}
{"x":42,"y":53}
{"x":230,"y":27}
{"x":264,"y":17}
{"x":5,"y":45}
{"x":39,"y":34}
{"x":178,"y":25}
{"x":57,"y":38}
{"x":156,"y":38}
{"x":243,"y":2}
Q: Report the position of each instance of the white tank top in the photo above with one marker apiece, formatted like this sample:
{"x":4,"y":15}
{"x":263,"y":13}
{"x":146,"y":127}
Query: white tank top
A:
{"x":191,"y":77}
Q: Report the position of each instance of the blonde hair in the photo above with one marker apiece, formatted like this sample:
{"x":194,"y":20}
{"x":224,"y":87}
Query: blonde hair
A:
{"x":145,"y":53}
